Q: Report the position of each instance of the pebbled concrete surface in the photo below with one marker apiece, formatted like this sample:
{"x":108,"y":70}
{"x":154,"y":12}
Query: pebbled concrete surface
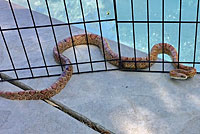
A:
{"x":123,"y":102}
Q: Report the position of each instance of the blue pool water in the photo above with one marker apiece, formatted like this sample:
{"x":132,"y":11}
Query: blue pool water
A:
{"x":171,"y":31}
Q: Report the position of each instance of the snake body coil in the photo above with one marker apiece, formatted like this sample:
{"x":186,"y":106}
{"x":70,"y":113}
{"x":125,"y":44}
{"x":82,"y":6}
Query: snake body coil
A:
{"x":182,"y":73}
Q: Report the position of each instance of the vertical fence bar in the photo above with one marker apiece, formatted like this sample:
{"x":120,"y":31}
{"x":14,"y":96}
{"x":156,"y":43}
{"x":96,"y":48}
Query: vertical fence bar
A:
{"x":86,"y":35}
{"x":179,"y":36}
{"x":38,"y":38}
{"x":53,"y":32}
{"x":133,"y":25}
{"x":20,"y":36}
{"x":10,"y":57}
{"x":70,"y":31}
{"x":148,"y":33}
{"x":163,"y":28}
{"x":196,"y":30}
{"x":117,"y":31}
{"x":100,"y":28}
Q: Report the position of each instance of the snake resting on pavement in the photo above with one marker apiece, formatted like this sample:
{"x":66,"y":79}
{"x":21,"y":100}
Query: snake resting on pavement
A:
{"x":181,"y":72}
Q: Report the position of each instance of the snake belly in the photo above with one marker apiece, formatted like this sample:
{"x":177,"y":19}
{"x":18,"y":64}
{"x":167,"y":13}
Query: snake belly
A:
{"x":110,"y":55}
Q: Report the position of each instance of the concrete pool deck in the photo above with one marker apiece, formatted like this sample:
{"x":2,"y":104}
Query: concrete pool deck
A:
{"x":122,"y":102}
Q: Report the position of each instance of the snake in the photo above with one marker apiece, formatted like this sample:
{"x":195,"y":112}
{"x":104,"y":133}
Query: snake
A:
{"x":180,"y":72}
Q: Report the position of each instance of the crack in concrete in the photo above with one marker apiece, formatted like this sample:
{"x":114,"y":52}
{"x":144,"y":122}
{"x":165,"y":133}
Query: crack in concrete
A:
{"x":83,"y":119}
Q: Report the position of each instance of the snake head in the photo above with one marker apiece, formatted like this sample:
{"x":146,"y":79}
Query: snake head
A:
{"x":178,"y":74}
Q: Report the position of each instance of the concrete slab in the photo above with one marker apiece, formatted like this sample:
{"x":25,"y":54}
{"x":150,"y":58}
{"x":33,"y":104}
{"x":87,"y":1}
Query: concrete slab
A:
{"x":124,"y":102}
{"x":35,"y":117}
{"x":135,"y":103}
{"x":22,"y":117}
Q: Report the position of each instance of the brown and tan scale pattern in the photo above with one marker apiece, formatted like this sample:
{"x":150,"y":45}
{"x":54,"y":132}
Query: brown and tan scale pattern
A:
{"x":183,"y":72}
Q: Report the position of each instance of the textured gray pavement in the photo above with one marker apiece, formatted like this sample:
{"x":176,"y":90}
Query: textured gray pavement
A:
{"x":123,"y":102}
